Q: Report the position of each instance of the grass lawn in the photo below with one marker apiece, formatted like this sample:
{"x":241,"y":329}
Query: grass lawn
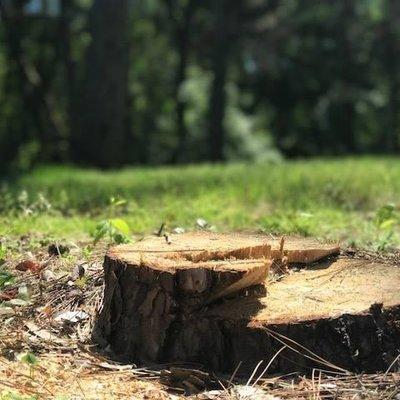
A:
{"x":354,"y":200}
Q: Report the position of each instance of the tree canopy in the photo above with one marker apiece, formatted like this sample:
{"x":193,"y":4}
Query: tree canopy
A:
{"x":110,"y":83}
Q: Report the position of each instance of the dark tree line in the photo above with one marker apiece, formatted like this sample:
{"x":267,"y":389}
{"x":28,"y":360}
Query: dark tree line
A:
{"x":110,"y":83}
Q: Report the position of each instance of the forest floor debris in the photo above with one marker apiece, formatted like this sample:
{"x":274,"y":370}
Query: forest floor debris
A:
{"x":46,"y":350}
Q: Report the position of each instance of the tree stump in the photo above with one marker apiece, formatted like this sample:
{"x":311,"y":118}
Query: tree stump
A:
{"x":212,"y":299}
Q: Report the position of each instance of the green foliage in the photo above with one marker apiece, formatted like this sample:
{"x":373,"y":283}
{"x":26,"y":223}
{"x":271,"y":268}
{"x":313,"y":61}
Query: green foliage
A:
{"x":115,"y":229}
{"x":3,"y":254}
{"x":385,"y":241}
{"x":387,"y":218}
{"x":31,"y":360}
{"x":81,"y":282}
{"x":327,"y":86}
{"x":347,"y":199}
{"x":8,"y":395}
{"x":346,"y":183}
{"x":6,"y":278}
{"x":87,"y":252}
{"x":21,"y":202}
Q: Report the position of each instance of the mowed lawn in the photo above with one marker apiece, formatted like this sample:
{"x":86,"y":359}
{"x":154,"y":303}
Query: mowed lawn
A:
{"x":353,"y":200}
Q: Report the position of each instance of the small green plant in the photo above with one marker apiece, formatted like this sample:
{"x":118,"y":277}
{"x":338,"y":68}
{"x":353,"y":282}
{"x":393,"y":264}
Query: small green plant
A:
{"x":117,"y":205}
{"x":6,"y":278}
{"x":8,"y":395}
{"x":385,"y":241}
{"x":115,"y":229}
{"x":7,"y":200}
{"x":81,"y":282}
{"x":3,"y":254}
{"x":87,"y":252}
{"x":386,"y":216}
{"x":31,"y":360}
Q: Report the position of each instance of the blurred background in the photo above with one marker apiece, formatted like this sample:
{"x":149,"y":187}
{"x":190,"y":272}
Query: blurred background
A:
{"x":126,"y":82}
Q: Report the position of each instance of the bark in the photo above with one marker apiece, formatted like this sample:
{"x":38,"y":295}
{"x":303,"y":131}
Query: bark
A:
{"x":361,"y":343}
{"x":204,"y":299}
{"x":161,"y":292}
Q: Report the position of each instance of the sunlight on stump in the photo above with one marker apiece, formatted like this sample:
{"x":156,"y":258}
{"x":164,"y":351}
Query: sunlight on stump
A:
{"x":215,"y":299}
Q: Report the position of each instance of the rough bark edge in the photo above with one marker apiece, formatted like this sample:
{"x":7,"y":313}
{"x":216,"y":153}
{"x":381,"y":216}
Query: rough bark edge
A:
{"x":140,"y":303}
{"x":367,"y":342}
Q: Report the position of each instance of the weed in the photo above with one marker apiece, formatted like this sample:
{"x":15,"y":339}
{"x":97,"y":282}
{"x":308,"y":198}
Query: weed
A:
{"x":8,"y":395}
{"x":6,"y":278}
{"x":115,"y":229}
{"x":87,"y":252}
{"x":3,"y":254}
{"x":386,"y":220}
{"x":31,"y":360}
{"x":386,"y":216}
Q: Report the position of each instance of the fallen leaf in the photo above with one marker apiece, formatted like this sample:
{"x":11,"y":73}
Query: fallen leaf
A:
{"x":23,"y":292}
{"x":72,"y":316}
{"x":28,"y":265}
{"x":47,"y":310}
{"x":18,"y":302}
{"x":43,"y":333}
{"x":48,"y":275}
{"x":9,"y":294}
{"x":6,"y":311}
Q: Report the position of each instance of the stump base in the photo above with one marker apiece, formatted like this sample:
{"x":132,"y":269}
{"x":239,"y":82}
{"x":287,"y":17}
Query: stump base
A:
{"x":195,"y":300}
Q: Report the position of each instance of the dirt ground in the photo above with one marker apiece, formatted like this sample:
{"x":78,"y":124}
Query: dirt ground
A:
{"x":36,"y":319}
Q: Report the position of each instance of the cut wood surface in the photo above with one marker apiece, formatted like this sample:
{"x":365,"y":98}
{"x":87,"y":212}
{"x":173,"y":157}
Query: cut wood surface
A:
{"x":208,"y":246}
{"x":208,"y":298}
{"x":344,"y":286}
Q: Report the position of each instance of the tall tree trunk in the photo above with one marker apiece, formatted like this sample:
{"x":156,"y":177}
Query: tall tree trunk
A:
{"x":100,"y":138}
{"x":349,"y":74}
{"x":393,"y":135}
{"x":347,"y":126}
{"x":182,"y":39}
{"x":392,"y":63}
{"x":219,"y":63}
{"x":33,"y":89}
{"x":66,"y":12}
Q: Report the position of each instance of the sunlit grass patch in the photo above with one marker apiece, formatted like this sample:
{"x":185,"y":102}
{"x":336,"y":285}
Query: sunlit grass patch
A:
{"x":331,"y":198}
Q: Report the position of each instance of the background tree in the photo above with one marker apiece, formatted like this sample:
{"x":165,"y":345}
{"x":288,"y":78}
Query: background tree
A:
{"x":99,"y":138}
{"x":164,"y":81}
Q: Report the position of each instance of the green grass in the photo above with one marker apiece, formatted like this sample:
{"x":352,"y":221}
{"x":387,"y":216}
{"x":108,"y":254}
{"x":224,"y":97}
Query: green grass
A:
{"x":330,"y":198}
